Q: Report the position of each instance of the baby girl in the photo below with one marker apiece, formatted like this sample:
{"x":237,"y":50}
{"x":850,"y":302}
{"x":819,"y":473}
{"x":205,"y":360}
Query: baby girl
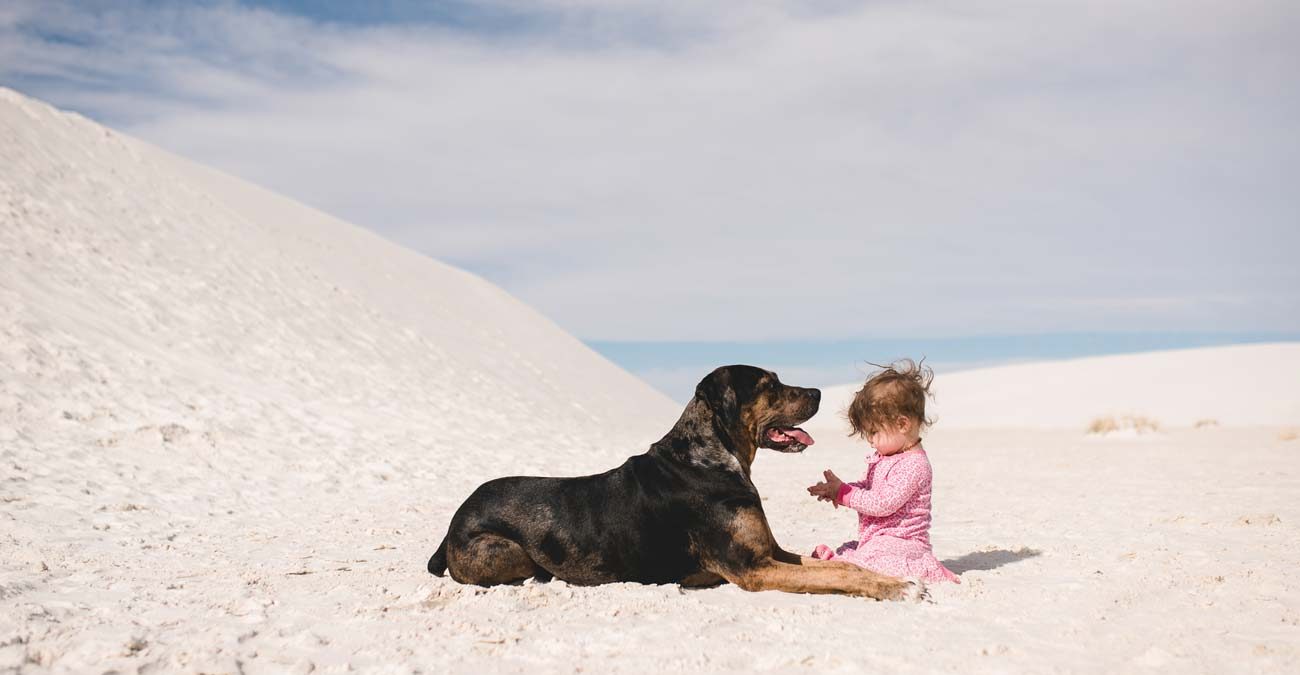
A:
{"x":893,"y":497}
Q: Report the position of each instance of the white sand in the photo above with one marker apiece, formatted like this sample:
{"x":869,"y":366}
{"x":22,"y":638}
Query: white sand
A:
{"x":233,"y":429}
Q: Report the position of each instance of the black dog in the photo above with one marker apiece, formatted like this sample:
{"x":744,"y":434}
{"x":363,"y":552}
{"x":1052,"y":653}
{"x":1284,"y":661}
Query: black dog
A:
{"x":684,"y":512}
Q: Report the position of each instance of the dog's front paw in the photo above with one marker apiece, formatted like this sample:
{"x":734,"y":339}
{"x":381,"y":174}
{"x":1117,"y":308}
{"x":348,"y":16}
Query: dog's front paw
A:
{"x":910,"y":589}
{"x":915,"y":591}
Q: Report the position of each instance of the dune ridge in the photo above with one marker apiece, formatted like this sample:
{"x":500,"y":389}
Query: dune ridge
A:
{"x":1256,"y":385}
{"x":152,"y":274}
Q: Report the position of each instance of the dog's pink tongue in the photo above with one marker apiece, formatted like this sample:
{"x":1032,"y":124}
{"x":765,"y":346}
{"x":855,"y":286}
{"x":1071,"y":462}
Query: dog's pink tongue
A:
{"x":799,"y":435}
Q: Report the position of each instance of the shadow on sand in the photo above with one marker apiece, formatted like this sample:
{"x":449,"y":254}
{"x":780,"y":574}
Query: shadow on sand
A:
{"x":988,"y":560}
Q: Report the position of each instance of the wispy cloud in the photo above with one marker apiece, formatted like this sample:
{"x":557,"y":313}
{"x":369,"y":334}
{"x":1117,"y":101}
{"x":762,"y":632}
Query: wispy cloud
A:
{"x":703,"y":170}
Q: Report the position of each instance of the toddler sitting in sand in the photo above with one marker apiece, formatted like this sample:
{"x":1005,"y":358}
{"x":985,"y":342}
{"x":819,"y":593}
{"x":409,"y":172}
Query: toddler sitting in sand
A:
{"x":893,"y":497}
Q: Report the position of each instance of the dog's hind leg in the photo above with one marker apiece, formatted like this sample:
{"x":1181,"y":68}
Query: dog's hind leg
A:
{"x":490,"y":559}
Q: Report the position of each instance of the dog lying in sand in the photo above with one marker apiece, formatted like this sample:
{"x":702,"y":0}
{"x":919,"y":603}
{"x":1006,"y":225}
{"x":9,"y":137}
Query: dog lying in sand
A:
{"x":684,"y":512}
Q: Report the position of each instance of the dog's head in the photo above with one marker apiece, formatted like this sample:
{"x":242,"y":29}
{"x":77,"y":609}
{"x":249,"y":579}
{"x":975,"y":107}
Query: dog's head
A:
{"x":751,"y":409}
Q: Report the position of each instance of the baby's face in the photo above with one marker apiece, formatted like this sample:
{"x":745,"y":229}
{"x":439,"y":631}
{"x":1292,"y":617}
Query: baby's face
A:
{"x":888,"y":440}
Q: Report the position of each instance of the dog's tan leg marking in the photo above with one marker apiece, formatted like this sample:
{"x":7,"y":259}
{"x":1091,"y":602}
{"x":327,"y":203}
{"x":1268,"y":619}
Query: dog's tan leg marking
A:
{"x":751,"y":534}
{"x":785,"y":556}
{"x":771,"y":575}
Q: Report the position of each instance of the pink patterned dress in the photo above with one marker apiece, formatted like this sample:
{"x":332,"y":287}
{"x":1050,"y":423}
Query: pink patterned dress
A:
{"x":893,"y":505}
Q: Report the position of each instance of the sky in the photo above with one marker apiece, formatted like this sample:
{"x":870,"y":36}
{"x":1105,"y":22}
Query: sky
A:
{"x":773,"y":172}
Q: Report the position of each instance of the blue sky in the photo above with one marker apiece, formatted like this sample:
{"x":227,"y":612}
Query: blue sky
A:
{"x":462,"y":14}
{"x":769,"y":172}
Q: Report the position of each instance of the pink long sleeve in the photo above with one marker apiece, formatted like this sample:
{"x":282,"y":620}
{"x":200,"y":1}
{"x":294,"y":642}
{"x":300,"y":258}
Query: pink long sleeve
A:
{"x":888,"y":495}
{"x":893,"y":505}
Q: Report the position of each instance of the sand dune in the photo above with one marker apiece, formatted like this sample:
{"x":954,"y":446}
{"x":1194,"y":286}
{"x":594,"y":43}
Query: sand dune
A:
{"x":1237,"y":386}
{"x":131,"y":270}
{"x":232,"y":429}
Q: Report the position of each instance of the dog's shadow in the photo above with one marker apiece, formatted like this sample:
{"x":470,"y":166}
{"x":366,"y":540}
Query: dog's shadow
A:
{"x":989,"y":560}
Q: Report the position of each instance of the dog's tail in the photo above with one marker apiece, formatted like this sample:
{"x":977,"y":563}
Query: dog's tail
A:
{"x":438,"y":563}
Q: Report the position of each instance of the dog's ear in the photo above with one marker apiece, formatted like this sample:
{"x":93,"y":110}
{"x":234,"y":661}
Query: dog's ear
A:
{"x":717,"y":392}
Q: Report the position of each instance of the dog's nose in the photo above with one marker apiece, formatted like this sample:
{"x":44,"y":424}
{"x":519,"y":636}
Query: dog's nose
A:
{"x":816,"y":394}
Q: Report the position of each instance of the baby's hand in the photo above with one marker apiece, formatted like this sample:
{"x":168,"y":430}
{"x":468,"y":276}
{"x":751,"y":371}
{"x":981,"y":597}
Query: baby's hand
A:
{"x":830,"y":489}
{"x":824,"y":493}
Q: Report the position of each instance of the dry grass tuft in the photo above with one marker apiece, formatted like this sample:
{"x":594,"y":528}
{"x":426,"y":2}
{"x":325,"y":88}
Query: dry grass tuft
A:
{"x":1111,"y":424}
{"x":1288,"y":435}
{"x":1205,"y":423}
{"x":1103,"y":425}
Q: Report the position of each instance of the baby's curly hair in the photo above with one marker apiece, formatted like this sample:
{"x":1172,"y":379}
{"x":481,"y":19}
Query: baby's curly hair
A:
{"x":897,"y":389}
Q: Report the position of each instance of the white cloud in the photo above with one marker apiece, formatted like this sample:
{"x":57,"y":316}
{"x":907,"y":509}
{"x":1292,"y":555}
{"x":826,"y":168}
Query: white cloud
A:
{"x":723,"y":171}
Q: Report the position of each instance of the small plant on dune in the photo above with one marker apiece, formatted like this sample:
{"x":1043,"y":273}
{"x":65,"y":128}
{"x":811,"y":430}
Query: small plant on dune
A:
{"x":1103,"y":425}
{"x":1111,"y":424}
{"x":1288,"y":435}
{"x":1205,"y":423}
